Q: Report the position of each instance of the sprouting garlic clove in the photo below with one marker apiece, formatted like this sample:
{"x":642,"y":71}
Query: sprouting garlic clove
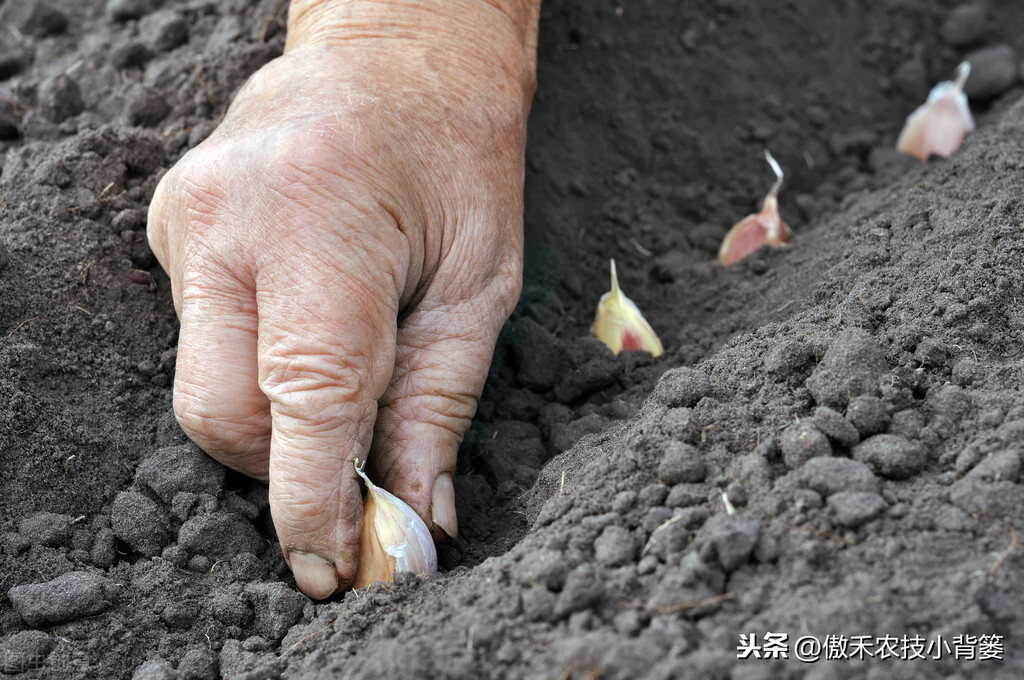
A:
{"x":394,"y":538}
{"x":940,"y":124}
{"x":620,"y":325}
{"x":763,"y":228}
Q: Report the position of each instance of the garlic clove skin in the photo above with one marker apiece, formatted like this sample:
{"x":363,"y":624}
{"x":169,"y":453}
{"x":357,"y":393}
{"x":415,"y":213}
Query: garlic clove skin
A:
{"x":940,"y":124}
{"x":763,"y":228}
{"x":394,"y":538}
{"x":620,"y":325}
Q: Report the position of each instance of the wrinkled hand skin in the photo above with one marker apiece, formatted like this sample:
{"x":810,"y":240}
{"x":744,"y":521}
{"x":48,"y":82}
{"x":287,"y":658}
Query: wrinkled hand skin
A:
{"x":343,"y":251}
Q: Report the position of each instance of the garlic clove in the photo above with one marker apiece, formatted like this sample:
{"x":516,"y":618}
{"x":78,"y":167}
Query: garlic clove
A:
{"x":620,"y":325}
{"x":394,"y":538}
{"x":940,"y":124}
{"x":759,"y":229}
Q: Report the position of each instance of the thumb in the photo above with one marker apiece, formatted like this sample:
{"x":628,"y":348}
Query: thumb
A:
{"x":442,"y":359}
{"x":325,"y":357}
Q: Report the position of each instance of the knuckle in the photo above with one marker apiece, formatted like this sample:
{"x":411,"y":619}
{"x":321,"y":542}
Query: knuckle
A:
{"x":191,"y":198}
{"x":450,"y":413}
{"x":206,"y":422}
{"x":315,"y":386}
{"x":194,"y":416}
{"x":318,"y":156}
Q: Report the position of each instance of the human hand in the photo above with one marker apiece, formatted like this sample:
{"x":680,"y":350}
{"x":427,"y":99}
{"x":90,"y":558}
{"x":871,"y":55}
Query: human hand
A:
{"x":343,"y":251}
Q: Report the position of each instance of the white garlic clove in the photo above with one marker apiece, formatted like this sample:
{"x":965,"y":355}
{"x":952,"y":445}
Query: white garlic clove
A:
{"x":620,"y":325}
{"x":763,"y":228}
{"x":940,"y":124}
{"x":394,"y":538}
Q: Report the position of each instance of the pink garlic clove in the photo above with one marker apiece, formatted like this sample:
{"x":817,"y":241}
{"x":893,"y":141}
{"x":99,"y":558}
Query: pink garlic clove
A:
{"x":620,"y":325}
{"x":759,"y":229}
{"x":940,"y":124}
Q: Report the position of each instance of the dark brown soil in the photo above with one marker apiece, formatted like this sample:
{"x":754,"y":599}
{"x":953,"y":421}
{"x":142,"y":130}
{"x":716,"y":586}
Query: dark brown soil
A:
{"x":857,"y":398}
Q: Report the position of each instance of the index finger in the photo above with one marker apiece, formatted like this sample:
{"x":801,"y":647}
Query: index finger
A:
{"x":326,"y":353}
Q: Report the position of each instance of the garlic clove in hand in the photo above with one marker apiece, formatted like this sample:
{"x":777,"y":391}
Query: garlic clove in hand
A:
{"x":759,"y":229}
{"x":940,"y":124}
{"x":620,"y":325}
{"x":394,"y":538}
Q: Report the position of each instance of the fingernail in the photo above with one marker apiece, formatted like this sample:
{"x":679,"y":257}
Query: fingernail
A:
{"x":442,"y":505}
{"x":314,"y":575}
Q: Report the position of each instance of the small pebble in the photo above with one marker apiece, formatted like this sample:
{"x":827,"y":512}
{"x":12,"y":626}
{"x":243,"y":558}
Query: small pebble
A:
{"x":681,"y":463}
{"x":868,"y":415}
{"x":966,"y":372}
{"x":891,"y":456}
{"x":832,"y":475}
{"x":623,"y":501}
{"x":65,"y":598}
{"x":802,"y":441}
{"x":681,"y":424}
{"x":687,"y":583}
{"x":806,"y":499}
{"x":123,"y":10}
{"x":682,"y":387}
{"x":237,"y":659}
{"x":1001,"y":466}
{"x":907,"y":423}
{"x":163,"y":30}
{"x":180,"y":468}
{"x":952,"y":518}
{"x":139,"y":522}
{"x":230,"y":608}
{"x":180,"y":614}
{"x":220,"y":536}
{"x":853,"y":365}
{"x":175,"y":554}
{"x":653,"y":494}
{"x":615,"y":547}
{"x":647,"y":565}
{"x":737,"y":494}
{"x":965,"y":25}
{"x":35,"y":18}
{"x":670,"y":538}
{"x":727,"y":540}
{"x":629,"y":622}
{"x":60,"y":98}
{"x":583,"y":587}
{"x":932,"y":352}
{"x":789,"y":357}
{"x":130,"y":54}
{"x":655,"y":517}
{"x":156,"y":669}
{"x":46,"y":528}
{"x":277,"y":608}
{"x":993,"y":71}
{"x":104,"y":548}
{"x":853,"y":508}
{"x":145,"y":106}
{"x":12,"y":61}
{"x":25,"y":651}
{"x":199,"y":663}
{"x":834,"y":426}
{"x":683,"y":496}
{"x":545,"y":567}
{"x":537,"y":353}
{"x":538,"y":603}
